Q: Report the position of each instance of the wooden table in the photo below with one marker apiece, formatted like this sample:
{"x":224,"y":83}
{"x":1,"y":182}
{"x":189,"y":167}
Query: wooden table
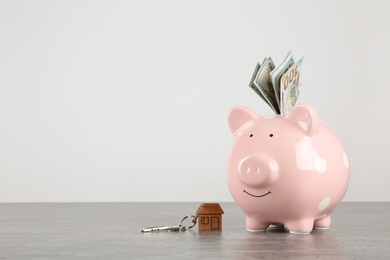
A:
{"x":113,"y":231}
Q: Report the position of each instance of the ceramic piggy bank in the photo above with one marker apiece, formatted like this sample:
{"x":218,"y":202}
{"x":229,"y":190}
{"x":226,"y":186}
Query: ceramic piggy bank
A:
{"x":289,"y":170}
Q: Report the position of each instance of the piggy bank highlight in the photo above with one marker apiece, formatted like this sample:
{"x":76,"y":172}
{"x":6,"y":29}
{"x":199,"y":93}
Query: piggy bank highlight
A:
{"x":288,"y":170}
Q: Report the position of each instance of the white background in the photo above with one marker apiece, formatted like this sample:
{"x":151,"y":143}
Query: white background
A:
{"x":128,"y":100}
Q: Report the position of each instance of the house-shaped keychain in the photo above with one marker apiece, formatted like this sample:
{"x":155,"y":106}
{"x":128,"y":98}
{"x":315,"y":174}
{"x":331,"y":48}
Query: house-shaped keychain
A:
{"x":210,"y":216}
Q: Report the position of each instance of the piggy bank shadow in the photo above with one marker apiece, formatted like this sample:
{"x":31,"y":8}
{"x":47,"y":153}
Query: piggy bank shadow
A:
{"x":278,"y":243}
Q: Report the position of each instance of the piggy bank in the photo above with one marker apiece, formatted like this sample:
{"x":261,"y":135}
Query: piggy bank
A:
{"x":288,"y":170}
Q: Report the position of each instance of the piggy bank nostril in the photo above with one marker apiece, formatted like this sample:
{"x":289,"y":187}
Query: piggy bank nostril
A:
{"x":251,"y":169}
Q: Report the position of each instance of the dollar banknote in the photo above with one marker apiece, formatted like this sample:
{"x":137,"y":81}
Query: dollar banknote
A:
{"x":253,"y":86}
{"x":290,"y":84}
{"x":262,"y":81}
{"x":277,"y":73}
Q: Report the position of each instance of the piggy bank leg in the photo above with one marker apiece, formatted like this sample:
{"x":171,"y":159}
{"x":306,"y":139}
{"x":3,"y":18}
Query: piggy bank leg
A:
{"x":302,"y":226}
{"x":322,"y":223}
{"x":256,"y":224}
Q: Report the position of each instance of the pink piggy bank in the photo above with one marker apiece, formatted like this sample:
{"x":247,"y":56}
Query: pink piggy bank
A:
{"x":288,"y":170}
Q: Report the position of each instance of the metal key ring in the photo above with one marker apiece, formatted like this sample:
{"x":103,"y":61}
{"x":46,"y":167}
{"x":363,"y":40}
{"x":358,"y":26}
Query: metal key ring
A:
{"x":193,"y":221}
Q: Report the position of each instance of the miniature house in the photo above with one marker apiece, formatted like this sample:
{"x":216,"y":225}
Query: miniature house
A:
{"x":210,"y":216}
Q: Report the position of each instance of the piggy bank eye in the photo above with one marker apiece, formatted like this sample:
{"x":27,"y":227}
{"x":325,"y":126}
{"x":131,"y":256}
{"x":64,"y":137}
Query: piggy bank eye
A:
{"x":251,"y":135}
{"x":271,"y":135}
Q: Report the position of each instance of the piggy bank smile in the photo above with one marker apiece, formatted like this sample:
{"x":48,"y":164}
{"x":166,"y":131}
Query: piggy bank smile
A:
{"x":257,"y":196}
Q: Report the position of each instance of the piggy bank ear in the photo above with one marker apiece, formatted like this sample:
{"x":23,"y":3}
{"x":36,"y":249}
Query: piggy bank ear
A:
{"x":305,"y":117}
{"x":238,"y":117}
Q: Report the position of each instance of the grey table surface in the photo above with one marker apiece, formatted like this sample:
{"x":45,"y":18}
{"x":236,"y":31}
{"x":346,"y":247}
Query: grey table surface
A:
{"x":113,"y":231}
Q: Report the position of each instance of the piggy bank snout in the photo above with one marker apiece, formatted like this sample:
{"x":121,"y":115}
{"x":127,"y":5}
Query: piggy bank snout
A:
{"x":257,"y":171}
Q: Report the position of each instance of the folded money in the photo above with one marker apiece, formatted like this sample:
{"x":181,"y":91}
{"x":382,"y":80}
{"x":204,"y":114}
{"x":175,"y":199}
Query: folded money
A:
{"x":277,"y":86}
{"x":290,"y":83}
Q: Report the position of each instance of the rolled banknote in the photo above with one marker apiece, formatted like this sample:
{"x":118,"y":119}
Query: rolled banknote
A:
{"x":290,"y":83}
{"x":253,"y":86}
{"x":257,"y":89}
{"x":277,"y":73}
{"x":262,"y":81}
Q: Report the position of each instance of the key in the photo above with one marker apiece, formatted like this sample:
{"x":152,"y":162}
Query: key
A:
{"x":178,"y":228}
{"x":165,"y":228}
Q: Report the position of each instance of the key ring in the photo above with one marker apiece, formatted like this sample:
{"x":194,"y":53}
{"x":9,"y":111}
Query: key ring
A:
{"x":193,"y":222}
